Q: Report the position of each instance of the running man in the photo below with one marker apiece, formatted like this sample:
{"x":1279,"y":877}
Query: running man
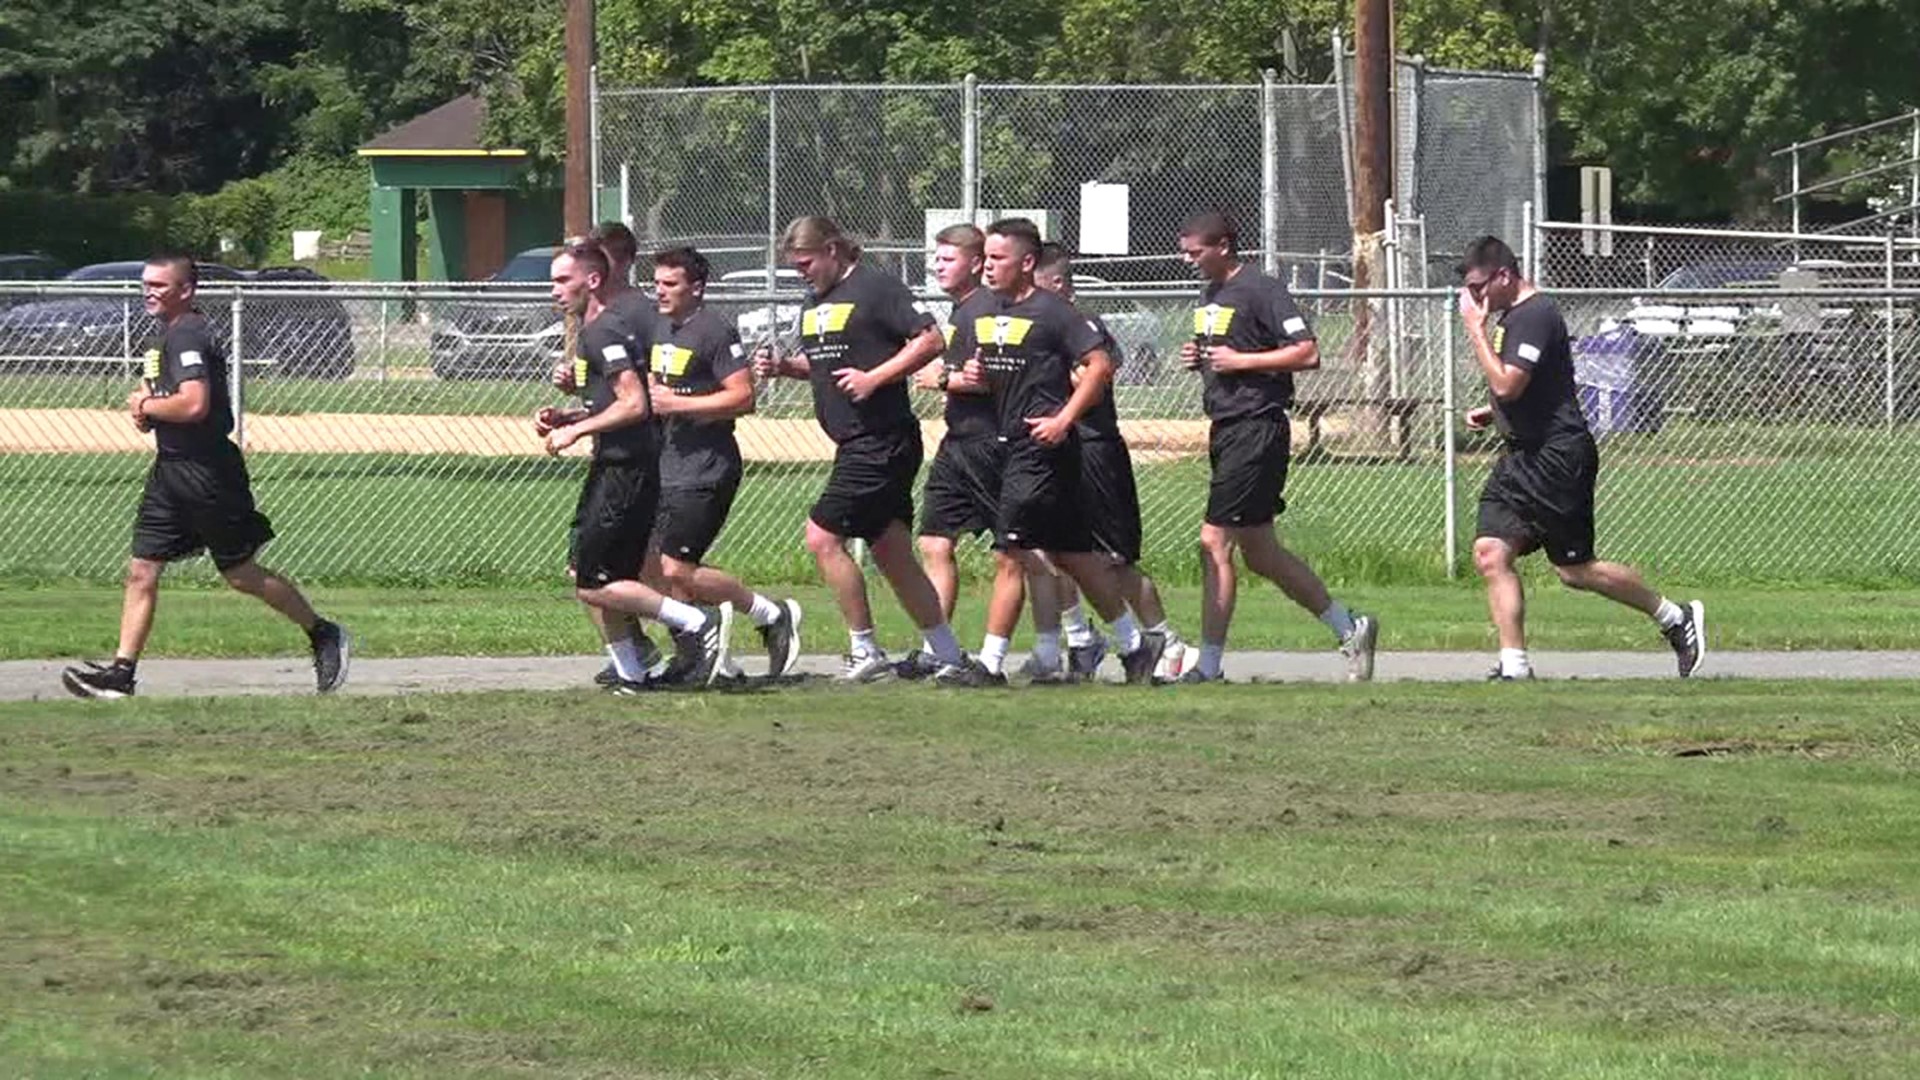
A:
{"x":198,"y":495}
{"x":963,"y":483}
{"x":1113,"y":509}
{"x":1026,"y":350}
{"x":1540,"y":493}
{"x":613,"y":519}
{"x":700,"y":384}
{"x":862,"y":336}
{"x":1248,"y":339}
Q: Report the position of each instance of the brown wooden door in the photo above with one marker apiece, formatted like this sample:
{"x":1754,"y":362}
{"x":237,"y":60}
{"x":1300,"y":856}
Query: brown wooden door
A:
{"x":486,"y":234}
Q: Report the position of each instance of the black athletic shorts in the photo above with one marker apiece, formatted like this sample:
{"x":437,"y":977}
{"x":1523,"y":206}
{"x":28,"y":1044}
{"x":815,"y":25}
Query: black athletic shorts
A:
{"x":200,"y":502}
{"x":1041,"y":503}
{"x":691,"y":518}
{"x":871,"y":485}
{"x":1542,"y":497}
{"x":1249,"y":457}
{"x":1113,"y":503}
{"x":963,"y":487}
{"x":613,"y":521}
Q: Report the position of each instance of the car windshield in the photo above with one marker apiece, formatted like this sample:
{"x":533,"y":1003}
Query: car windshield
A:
{"x":527,"y":266}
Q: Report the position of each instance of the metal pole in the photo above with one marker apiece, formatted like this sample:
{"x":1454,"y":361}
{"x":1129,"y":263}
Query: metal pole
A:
{"x":1527,"y":266}
{"x":593,"y":138}
{"x":1796,"y":204}
{"x":1646,"y":263}
{"x":383,"y":341}
{"x":1346,"y":120}
{"x":626,"y":193}
{"x":1449,"y":455}
{"x":773,"y":192}
{"x":1269,"y":175}
{"x":1888,"y":329}
{"x":1540,"y":133}
{"x":235,"y":361}
{"x":970,"y":148}
{"x":1390,"y":248}
{"x":1913,"y":176}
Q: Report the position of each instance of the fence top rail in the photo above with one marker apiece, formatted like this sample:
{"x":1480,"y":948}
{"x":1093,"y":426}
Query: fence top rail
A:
{"x":1164,"y":291}
{"x":763,"y":88}
{"x":1841,"y":181}
{"x":1255,"y":87}
{"x":1698,"y":232}
{"x":1904,"y":118}
{"x":1468,"y":73}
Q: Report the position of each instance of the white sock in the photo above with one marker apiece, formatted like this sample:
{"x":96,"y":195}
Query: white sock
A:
{"x":1046,"y":649}
{"x":1211,"y":654}
{"x":863,"y":643}
{"x":944,"y":646}
{"x":764,"y":612}
{"x":1074,"y":621}
{"x":681,"y":617}
{"x":1669,"y":615}
{"x":626,"y":660}
{"x":1338,"y":619}
{"x":993,"y":653}
{"x":1126,"y":634}
{"x":1514,"y":663}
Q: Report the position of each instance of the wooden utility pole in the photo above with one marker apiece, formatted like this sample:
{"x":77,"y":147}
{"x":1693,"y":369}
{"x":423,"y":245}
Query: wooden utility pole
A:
{"x":579,"y":198}
{"x":1372,"y":186}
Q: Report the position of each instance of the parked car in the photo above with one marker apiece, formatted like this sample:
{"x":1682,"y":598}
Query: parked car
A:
{"x":501,"y":339}
{"x":759,"y":324}
{"x":72,"y":334}
{"x":1142,"y":334}
{"x":27,"y":267}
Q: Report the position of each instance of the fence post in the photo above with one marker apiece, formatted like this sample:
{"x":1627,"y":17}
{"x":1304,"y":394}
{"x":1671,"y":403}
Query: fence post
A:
{"x":626,"y":193}
{"x":1346,"y":126}
{"x":593,"y":142}
{"x":773,"y":211}
{"x":970,"y":148}
{"x":1390,"y":255}
{"x":1527,"y":264}
{"x":1540,"y":134}
{"x":1647,"y":261}
{"x":1913,"y":176}
{"x":1888,"y":332}
{"x":235,"y":362}
{"x":1795,"y":175}
{"x":1450,"y":466}
{"x":383,"y":339}
{"x":1269,"y":175}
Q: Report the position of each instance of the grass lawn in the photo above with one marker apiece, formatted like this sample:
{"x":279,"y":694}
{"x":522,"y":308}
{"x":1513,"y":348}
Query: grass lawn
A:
{"x":82,"y":619}
{"x":1593,"y":880}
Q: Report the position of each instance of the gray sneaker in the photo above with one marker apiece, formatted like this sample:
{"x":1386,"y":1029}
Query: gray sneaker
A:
{"x":1193,"y":676}
{"x":1039,"y":673}
{"x":1689,"y":638}
{"x":1359,"y":646}
{"x":782,"y":639}
{"x":332,"y":649}
{"x":1139,"y":663}
{"x":968,"y":674}
{"x":706,"y":649}
{"x":865,"y":667}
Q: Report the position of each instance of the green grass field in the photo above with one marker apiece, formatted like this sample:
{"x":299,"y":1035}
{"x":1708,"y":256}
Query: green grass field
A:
{"x":1710,"y":880}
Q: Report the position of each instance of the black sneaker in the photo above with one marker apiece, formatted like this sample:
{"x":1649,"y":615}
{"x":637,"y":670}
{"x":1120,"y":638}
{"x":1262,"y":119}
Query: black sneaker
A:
{"x":968,"y":674}
{"x":99,"y":682}
{"x":608,"y":678}
{"x":916,"y":665}
{"x":706,"y":648}
{"x":1689,"y":637}
{"x":782,"y":639}
{"x":1193,"y":676}
{"x":1139,"y":663}
{"x":626,"y":687}
{"x":1083,"y":661}
{"x":332,"y":649}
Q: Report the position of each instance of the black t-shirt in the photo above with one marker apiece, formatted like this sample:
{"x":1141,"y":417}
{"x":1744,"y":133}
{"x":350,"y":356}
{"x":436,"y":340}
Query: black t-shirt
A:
{"x":186,"y":352}
{"x":607,"y":348}
{"x":1029,"y":348}
{"x":638,"y":313}
{"x":861,"y":322}
{"x":1249,"y":312}
{"x":692,"y":358}
{"x":1533,"y":335}
{"x":1102,"y":420}
{"x":969,"y":416}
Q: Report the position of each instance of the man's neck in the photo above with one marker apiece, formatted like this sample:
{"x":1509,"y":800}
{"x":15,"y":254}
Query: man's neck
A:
{"x":964,"y":292}
{"x":169,"y":319}
{"x":1232,"y":272}
{"x":679,"y":318}
{"x":595,"y":305}
{"x":1019,"y":292}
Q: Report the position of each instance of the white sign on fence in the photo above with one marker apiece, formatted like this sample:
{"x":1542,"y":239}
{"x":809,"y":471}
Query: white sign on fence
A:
{"x":1104,"y":219}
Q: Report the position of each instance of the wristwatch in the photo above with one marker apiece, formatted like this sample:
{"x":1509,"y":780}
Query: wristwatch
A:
{"x":946,"y":376}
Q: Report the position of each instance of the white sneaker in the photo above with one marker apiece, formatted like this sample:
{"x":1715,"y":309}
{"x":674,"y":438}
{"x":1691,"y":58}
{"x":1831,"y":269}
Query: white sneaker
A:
{"x":865,"y":667}
{"x":1359,"y":646}
{"x":1176,"y":661}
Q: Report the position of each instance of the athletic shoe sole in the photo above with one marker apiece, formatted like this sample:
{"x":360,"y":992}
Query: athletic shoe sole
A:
{"x":81,"y":689}
{"x":1699,"y":612}
{"x":792,"y":659}
{"x":346,"y":658}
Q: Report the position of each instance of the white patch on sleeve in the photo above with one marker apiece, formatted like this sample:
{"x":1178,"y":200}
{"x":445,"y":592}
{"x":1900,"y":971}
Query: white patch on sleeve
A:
{"x":1295,"y":325}
{"x":190,"y":358}
{"x":738,"y":350}
{"x":1529,"y":353}
{"x":921,"y":308}
{"x":613,"y":353}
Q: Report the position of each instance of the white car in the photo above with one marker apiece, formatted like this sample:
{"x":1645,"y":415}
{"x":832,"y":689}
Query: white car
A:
{"x":762,"y":323}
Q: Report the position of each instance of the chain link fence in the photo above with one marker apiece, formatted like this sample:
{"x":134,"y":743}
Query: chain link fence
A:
{"x":388,"y":434}
{"x":893,"y":163}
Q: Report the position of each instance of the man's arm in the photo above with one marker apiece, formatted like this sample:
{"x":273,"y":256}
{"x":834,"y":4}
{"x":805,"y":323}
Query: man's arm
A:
{"x":922,"y":347}
{"x":1293,"y":356}
{"x":734,"y":398}
{"x":187,"y":405}
{"x":1507,"y":381}
{"x":1096,"y":373}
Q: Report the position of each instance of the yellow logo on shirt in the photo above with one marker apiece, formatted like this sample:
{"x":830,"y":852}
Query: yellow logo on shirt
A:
{"x":671,"y":360}
{"x":825,"y":319}
{"x":1212,"y":320}
{"x":1499,"y":337}
{"x":947,"y":332}
{"x":580,"y":372}
{"x":153,"y":364}
{"x":1001,"y":330}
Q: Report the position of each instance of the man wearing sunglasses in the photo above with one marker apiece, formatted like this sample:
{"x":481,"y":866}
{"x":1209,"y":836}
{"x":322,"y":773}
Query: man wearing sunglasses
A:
{"x":1540,"y":493}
